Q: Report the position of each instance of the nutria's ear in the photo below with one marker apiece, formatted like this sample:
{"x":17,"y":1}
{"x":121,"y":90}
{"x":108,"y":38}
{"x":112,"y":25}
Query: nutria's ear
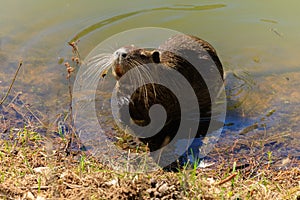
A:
{"x":155,"y":56}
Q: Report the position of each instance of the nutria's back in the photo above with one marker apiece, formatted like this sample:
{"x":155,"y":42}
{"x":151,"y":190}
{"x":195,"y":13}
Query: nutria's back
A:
{"x":190,"y":47}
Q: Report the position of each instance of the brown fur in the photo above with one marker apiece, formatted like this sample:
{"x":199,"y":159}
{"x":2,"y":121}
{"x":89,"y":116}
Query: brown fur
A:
{"x":170,"y":54}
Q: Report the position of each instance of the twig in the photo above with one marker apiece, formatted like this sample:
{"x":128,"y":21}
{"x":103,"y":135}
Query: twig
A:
{"x":13,"y":81}
{"x":16,"y":96}
{"x":37,"y":187}
{"x":72,"y":186}
{"x":76,"y":61}
{"x":227,"y":179}
{"x":17,"y":110}
{"x":40,"y":187}
{"x":11,"y":104}
{"x":71,"y":98}
{"x":34,"y":115}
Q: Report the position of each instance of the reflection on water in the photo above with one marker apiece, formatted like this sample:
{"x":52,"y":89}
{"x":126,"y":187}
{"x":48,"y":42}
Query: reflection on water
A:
{"x":117,"y":18}
{"x":257,"y":44}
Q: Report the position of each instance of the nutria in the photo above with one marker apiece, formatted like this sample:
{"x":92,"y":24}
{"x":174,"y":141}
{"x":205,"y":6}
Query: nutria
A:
{"x":175,"y":53}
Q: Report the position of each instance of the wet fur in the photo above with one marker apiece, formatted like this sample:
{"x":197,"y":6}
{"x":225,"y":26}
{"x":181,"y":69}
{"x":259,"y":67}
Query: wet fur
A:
{"x":169,"y":54}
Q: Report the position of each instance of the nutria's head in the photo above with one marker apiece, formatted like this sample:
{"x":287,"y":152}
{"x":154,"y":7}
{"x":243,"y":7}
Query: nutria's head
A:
{"x":127,"y":58}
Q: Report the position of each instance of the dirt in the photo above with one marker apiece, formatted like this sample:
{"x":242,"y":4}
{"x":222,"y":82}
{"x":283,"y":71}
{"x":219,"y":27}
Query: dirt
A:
{"x":45,"y":165}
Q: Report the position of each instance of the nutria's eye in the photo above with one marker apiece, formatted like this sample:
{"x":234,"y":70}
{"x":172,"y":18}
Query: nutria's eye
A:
{"x":155,"y":57}
{"x":124,"y":55}
{"x":143,"y":55}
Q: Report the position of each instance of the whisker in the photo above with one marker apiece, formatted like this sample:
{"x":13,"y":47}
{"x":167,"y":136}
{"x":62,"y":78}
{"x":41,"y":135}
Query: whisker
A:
{"x":96,"y":68}
{"x":146,"y":76}
{"x":98,"y":57}
{"x":140,"y":80}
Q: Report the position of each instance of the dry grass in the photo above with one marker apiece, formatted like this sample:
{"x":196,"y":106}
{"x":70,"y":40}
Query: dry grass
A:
{"x":35,"y":167}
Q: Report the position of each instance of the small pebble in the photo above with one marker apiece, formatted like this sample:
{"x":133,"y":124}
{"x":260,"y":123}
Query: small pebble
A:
{"x":163,"y":188}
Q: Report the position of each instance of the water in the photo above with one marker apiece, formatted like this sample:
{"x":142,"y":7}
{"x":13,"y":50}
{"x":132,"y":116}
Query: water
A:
{"x":258,"y":44}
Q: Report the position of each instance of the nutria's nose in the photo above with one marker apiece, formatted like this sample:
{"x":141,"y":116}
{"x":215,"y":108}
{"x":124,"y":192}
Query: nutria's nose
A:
{"x":122,"y":52}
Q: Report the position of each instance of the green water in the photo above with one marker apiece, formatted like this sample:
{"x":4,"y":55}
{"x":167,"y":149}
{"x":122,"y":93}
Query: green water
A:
{"x":256,"y":38}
